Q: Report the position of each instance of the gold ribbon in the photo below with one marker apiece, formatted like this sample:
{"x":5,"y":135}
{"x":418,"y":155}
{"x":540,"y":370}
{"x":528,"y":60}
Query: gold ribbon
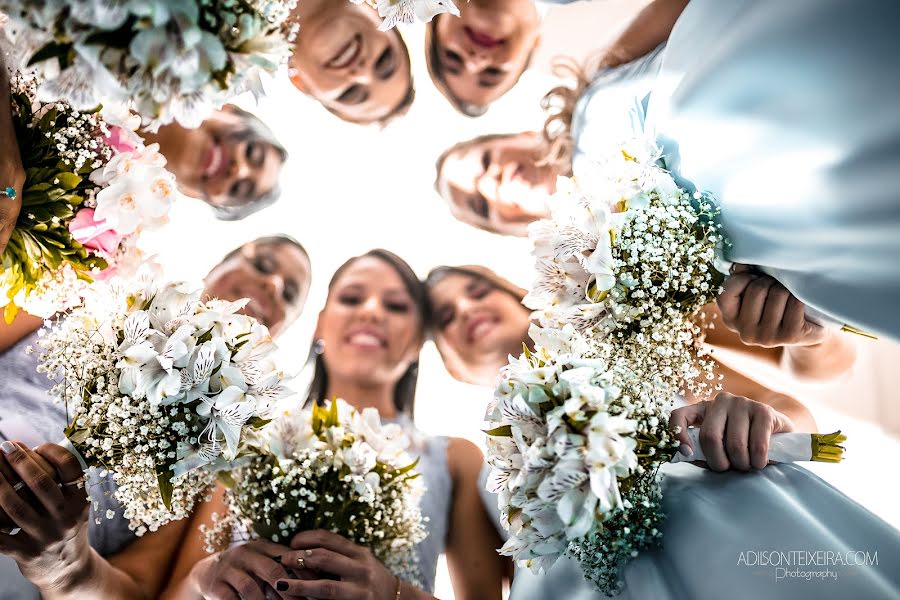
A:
{"x":826,"y":447}
{"x":857,"y":331}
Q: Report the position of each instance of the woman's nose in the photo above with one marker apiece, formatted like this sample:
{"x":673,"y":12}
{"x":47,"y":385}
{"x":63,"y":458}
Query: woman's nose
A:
{"x":372,"y":309}
{"x":476,"y":62}
{"x":273,"y":285}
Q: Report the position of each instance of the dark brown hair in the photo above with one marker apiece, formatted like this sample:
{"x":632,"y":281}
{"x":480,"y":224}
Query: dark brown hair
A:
{"x":405,"y":392}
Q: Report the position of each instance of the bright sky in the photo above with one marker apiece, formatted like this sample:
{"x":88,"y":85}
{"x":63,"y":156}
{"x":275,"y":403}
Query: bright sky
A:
{"x":348,"y":189}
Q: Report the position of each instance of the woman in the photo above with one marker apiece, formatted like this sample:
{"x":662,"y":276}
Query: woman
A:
{"x":231,"y":162}
{"x":713,"y":517}
{"x":367,"y":345}
{"x":62,"y":552}
{"x":476,"y":58}
{"x":342,"y":60}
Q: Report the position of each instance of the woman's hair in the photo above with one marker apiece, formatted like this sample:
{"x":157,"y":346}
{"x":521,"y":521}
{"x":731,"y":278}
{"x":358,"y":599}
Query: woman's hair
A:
{"x":402,"y":107}
{"x":252,"y":126}
{"x":436,"y":71}
{"x":405,"y":392}
{"x":559,"y":106}
{"x":269,"y":240}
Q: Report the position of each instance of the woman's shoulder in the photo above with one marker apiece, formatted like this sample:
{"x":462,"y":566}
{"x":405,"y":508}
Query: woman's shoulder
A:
{"x":464,"y":457}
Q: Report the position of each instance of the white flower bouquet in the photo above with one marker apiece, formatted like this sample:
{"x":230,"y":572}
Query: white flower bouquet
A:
{"x":161,"y":390}
{"x":164,"y":59}
{"x":628,"y":259}
{"x":394,"y":12}
{"x":331,"y":468}
{"x":91,"y":188}
{"x":575,"y":449}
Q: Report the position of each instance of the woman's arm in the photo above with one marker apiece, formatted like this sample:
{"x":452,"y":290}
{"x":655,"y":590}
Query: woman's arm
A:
{"x":241,"y":571}
{"x":476,"y":569}
{"x":21,"y":327}
{"x":12,"y":174}
{"x":650,"y":28}
{"x":756,"y":311}
{"x":52,"y":548}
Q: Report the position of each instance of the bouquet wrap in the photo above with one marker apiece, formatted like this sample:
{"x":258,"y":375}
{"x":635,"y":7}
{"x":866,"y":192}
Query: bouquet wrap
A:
{"x":784,"y":447}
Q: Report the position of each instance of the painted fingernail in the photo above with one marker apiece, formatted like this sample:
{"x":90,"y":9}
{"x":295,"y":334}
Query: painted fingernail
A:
{"x":8,"y":447}
{"x":685,"y":449}
{"x":282,"y":586}
{"x":308,"y":552}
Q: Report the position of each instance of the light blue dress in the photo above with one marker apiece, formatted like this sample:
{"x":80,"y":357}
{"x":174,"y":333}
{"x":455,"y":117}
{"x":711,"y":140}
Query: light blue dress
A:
{"x":789,"y":113}
{"x":28,"y":414}
{"x":720,"y":526}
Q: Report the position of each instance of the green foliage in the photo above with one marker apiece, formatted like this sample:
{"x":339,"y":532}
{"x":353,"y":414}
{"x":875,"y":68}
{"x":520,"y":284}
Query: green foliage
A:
{"x":41,"y":243}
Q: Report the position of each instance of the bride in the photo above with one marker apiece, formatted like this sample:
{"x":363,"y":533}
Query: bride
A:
{"x":725,"y":530}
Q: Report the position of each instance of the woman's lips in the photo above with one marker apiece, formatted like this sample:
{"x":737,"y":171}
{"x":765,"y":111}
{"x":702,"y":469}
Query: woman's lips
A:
{"x":481,"y":39}
{"x":215,"y":163}
{"x":479,"y":327}
{"x":347,"y":55}
{"x":366,"y":339}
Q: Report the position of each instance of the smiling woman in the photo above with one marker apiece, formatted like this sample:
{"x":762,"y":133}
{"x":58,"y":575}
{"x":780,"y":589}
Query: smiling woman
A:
{"x":476,"y":58}
{"x":355,"y":71}
{"x":231,"y":162}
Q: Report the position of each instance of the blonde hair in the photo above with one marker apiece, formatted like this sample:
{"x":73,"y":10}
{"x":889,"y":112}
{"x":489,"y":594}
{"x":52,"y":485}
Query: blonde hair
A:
{"x":559,"y":105}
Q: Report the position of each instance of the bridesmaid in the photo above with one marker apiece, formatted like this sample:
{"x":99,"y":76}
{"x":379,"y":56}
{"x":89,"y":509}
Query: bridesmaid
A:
{"x":341,"y":59}
{"x":368,"y":339}
{"x":63,"y":552}
{"x":231,"y":162}
{"x":713,"y":516}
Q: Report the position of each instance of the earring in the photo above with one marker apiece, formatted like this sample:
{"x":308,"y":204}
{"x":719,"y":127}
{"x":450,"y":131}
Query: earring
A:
{"x":319,"y":347}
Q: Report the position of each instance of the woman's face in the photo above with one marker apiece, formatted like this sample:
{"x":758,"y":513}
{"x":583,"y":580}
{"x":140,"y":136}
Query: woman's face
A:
{"x":371,"y":328}
{"x":496,"y":184}
{"x":484,"y":51}
{"x":477,"y":326}
{"x":274,"y":276}
{"x":342,"y":60}
{"x":223,"y":161}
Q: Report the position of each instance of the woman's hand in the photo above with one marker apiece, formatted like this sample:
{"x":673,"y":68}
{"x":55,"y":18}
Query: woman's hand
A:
{"x":764,"y":313}
{"x":360,"y":576}
{"x":12,"y":174}
{"x":734,"y":431}
{"x":247,"y":571}
{"x":52,"y":516}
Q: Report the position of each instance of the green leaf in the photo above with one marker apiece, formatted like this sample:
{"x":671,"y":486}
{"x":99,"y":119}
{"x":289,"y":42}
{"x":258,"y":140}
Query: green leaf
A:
{"x":226,"y":479}
{"x":68,"y":181}
{"x":166,"y":489}
{"x":51,"y":50}
{"x":502,"y":431}
{"x":258,"y":423}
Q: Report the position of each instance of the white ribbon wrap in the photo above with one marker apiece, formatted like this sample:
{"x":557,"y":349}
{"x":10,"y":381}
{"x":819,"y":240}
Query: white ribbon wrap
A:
{"x":783,"y":447}
{"x":65,"y":443}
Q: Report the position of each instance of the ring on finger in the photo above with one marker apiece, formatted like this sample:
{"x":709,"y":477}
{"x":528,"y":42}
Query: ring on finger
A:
{"x":301,"y":563}
{"x":18,"y":486}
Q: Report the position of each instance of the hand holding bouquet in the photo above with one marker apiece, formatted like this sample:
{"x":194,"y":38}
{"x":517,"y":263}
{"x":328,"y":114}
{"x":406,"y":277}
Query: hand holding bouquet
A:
{"x":161,"y":390}
{"x":336,"y":469}
{"x":91,"y":187}
{"x":575,"y":448}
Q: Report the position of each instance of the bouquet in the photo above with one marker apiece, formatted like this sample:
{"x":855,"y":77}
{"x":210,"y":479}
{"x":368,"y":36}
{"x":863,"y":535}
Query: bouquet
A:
{"x":161,"y":390}
{"x":91,"y":188}
{"x":628,"y":258}
{"x":165,"y":60}
{"x":575,"y":448}
{"x":330,"y":468}
{"x":407,"y":11}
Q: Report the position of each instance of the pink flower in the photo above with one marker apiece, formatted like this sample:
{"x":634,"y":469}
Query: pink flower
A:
{"x":94,"y":235}
{"x":120,"y":140}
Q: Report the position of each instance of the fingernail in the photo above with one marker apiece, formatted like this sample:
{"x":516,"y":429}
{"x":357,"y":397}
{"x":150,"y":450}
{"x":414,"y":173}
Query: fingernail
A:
{"x":8,"y":447}
{"x":685,"y":449}
{"x":282,"y":586}
{"x":276,"y":558}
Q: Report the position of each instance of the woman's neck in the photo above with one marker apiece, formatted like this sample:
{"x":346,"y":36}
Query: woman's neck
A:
{"x":360,"y":396}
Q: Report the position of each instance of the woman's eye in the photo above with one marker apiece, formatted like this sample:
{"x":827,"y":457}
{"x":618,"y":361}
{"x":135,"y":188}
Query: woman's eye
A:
{"x":385,"y":64}
{"x":355,"y":94}
{"x":349,"y":300}
{"x":486,"y":160}
{"x":444,"y":318}
{"x":480,"y":291}
{"x":263,"y":265}
{"x":255,"y":153}
{"x":398,"y":307}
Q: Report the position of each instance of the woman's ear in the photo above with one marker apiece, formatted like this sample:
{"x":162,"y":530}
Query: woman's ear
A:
{"x":296,"y":78}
